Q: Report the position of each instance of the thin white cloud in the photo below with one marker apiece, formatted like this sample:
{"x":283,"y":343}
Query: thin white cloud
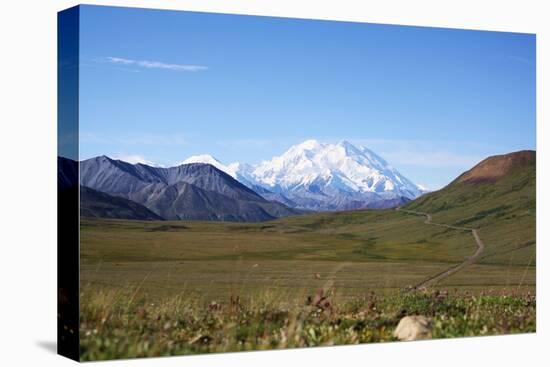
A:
{"x":155,"y":64}
{"x":522,"y":60}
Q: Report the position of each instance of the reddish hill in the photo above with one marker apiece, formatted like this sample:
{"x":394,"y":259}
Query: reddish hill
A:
{"x":493,"y":168}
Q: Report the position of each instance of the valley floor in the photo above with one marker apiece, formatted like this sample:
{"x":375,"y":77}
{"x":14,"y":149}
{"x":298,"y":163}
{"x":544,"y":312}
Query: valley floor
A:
{"x":172,"y":277}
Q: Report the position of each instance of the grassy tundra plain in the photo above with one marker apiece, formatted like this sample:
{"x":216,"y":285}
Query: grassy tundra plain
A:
{"x":356,"y":252}
{"x":153,"y":288}
{"x":165,"y":288}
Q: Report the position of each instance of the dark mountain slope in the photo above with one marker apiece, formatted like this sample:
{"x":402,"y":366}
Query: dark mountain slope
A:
{"x":186,"y":201}
{"x":93,"y":203}
{"x":115,"y":176}
{"x":101,"y":205}
{"x":191,"y":191}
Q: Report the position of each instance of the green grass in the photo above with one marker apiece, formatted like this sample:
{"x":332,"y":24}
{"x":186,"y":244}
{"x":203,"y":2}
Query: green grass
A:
{"x":117,"y":324}
{"x":504,"y":211}
{"x":359,"y":251}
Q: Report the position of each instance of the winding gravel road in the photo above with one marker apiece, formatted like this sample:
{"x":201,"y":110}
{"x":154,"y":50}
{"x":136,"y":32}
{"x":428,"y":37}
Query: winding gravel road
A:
{"x":453,"y":269}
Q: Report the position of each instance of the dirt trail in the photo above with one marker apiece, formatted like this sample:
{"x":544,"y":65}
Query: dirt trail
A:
{"x":453,"y":269}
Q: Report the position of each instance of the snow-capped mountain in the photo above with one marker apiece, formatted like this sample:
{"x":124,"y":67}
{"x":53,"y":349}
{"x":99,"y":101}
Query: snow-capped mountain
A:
{"x":208,"y":159}
{"x":319,"y":176}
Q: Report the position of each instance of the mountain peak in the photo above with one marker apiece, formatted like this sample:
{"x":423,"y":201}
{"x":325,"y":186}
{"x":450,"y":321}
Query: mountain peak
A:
{"x":238,"y":171}
{"x":331,"y":176}
{"x":349,"y":148}
{"x":104,"y":158}
{"x":345,"y":143}
{"x":202,"y":158}
{"x":309,"y":144}
{"x":207,"y":159}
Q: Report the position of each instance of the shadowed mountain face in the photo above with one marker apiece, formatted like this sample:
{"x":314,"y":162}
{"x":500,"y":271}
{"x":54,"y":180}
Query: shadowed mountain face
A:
{"x":189,"y":191}
{"x":94,"y":203}
{"x":97,"y":204}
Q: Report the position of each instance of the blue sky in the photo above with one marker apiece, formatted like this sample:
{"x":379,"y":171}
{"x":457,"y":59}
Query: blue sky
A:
{"x":164,"y":85}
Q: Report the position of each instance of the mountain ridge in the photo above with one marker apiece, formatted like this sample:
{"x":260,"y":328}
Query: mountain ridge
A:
{"x":493,"y":168}
{"x":191,"y":191}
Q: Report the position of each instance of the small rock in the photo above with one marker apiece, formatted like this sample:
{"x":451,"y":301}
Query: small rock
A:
{"x":413,"y":328}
